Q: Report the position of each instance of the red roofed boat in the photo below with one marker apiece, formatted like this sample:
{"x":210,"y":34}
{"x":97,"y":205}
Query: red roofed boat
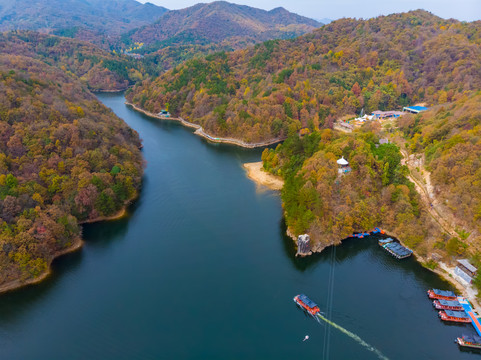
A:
{"x":307,"y":304}
{"x":448,"y":305}
{"x":454,"y":316}
{"x":469,"y":341}
{"x":441,"y":294}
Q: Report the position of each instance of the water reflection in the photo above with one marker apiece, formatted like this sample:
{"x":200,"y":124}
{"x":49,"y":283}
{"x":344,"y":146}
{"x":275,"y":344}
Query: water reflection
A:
{"x":350,"y":248}
{"x":15,"y":304}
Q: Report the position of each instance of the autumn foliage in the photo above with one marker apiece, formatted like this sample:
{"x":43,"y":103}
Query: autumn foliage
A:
{"x":276,"y":88}
{"x":449,"y":136}
{"x":64,"y":159}
{"x":97,"y":68}
{"x":331,"y":206}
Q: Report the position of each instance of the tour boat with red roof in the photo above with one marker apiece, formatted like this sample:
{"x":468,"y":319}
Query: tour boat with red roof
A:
{"x":441,"y":294}
{"x":307,"y":304}
{"x":469,"y":341}
{"x":454,"y":316}
{"x":448,"y":305}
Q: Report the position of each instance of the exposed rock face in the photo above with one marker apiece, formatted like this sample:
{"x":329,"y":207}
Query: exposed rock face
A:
{"x":303,"y":245}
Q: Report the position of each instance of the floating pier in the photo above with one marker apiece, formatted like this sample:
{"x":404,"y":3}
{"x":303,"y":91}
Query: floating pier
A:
{"x":468,"y":309}
{"x":397,"y":250}
{"x":391,"y":246}
{"x":377,"y":230}
{"x":383,"y":242}
{"x":374,"y":231}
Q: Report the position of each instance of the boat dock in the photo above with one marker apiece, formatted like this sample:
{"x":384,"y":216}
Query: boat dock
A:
{"x":469,"y":310}
{"x":397,"y":250}
{"x":374,"y":231}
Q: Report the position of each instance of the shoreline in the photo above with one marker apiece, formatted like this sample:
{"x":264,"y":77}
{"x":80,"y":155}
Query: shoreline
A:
{"x":78,"y":243}
{"x":18,"y":284}
{"x":442,"y":270}
{"x":200,"y":131}
{"x":256,"y":173}
{"x":118,"y":215}
{"x":99,"y":91}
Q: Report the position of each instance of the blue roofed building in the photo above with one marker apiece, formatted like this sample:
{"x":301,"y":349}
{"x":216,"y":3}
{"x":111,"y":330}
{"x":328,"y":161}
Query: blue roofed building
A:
{"x":415,"y":109}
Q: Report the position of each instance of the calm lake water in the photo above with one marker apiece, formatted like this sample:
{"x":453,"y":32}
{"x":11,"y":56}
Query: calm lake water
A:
{"x":201,"y":269}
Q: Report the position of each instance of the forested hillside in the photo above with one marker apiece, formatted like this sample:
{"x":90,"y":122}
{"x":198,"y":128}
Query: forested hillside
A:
{"x":203,"y":29}
{"x":99,"y":69}
{"x":449,"y":137}
{"x":97,"y":21}
{"x":219,"y":22}
{"x":281,"y":86}
{"x":64,"y":158}
{"x":330,"y":206}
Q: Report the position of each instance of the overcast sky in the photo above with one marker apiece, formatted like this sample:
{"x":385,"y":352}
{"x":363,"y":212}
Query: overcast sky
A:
{"x":467,"y":10}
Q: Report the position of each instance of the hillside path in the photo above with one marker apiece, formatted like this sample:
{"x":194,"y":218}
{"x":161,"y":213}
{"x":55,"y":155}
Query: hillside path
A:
{"x":425,"y":189}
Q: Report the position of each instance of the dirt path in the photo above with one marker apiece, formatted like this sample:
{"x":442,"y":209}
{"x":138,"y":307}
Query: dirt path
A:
{"x":425,"y":189}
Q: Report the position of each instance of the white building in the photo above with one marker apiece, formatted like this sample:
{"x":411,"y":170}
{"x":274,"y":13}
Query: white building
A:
{"x":343,"y":166}
{"x":465,"y":270}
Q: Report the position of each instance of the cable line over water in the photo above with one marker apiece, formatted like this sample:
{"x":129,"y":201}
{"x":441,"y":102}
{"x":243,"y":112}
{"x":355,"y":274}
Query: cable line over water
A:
{"x":329,"y":303}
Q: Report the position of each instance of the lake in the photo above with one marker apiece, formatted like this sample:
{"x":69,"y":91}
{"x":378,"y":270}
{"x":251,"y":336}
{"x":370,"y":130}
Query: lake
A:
{"x":201,"y":268}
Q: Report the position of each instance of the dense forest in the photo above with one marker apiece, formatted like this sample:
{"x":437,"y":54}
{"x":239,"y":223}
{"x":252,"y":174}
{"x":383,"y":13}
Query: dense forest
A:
{"x":98,"y":21}
{"x":99,"y":69}
{"x":332,"y":206}
{"x":218,"y":22}
{"x":203,"y":29}
{"x":449,"y":139}
{"x":64,"y":159}
{"x":281,"y":86}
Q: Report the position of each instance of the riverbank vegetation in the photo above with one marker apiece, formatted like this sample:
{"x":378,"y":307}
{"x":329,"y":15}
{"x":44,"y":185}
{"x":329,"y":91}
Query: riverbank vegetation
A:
{"x":64,"y":159}
{"x":276,"y":88}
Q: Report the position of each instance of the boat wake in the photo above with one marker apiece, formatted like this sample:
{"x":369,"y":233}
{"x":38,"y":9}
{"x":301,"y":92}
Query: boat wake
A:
{"x":352,"y":336}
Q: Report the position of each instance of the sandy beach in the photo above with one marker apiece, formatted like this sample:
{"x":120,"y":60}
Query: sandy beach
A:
{"x":260,"y":176}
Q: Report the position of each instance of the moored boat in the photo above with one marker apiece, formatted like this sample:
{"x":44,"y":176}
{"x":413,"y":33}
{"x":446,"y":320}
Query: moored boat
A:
{"x":306,"y":304}
{"x":377,"y":230}
{"x":441,"y":294}
{"x":448,"y":305}
{"x":469,"y":341}
{"x":383,"y":242}
{"x":397,"y":250}
{"x":454,"y":316}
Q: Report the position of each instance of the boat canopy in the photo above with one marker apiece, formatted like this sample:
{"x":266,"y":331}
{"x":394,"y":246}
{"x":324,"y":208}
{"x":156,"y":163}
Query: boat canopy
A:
{"x":307,"y":301}
{"x":457,"y":314}
{"x":473,"y":339}
{"x":444,"y":293}
{"x":449,"y":302}
{"x":398,"y":249}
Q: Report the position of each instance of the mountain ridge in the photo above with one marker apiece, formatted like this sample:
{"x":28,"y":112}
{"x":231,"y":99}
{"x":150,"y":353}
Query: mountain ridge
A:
{"x":220,"y":20}
{"x":96,"y":16}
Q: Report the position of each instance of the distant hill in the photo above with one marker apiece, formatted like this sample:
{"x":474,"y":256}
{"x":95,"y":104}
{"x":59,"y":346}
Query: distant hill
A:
{"x":325,"y":20}
{"x":94,"y":67}
{"x":221,"y":21}
{"x":77,"y":18}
